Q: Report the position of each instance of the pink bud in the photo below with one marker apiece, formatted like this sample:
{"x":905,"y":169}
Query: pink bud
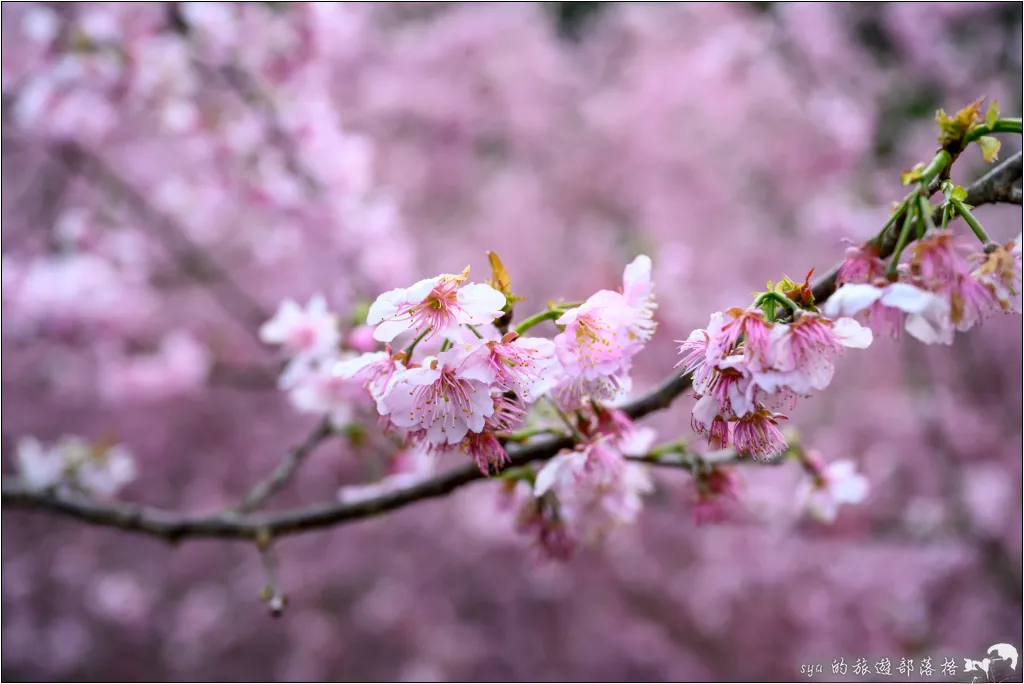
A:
{"x":361,"y":339}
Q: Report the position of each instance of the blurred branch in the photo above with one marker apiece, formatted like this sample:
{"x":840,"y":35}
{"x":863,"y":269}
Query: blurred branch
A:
{"x":174,"y":526}
{"x":229,"y":294}
{"x":279,"y":478}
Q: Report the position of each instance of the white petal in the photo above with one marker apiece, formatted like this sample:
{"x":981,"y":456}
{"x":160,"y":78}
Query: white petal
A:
{"x":389,"y":330}
{"x":419,"y":291}
{"x":928,"y":330}
{"x":480,"y":303}
{"x":910,"y":299}
{"x":851,"y":490}
{"x":638,"y":441}
{"x":636,"y":281}
{"x":850,"y":299}
{"x":705,"y":410}
{"x":549,"y":474}
{"x":852,"y":334}
{"x":385,"y":306}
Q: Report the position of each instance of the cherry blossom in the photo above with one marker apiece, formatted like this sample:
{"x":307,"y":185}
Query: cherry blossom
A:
{"x":375,"y":370}
{"x":522,"y":364}
{"x":447,"y":397}
{"x":434,"y":306}
{"x":302,"y":331}
{"x":829,"y":487}
{"x":927,"y":314}
{"x":324,"y":389}
{"x":638,"y":289}
{"x":40,"y":468}
{"x":99,"y":469}
{"x":1000,"y":272}
{"x":104,"y":470}
{"x":862,"y":265}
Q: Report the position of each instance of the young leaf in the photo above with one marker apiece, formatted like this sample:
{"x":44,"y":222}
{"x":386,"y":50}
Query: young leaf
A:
{"x":989,"y":148}
{"x":993,"y":113}
{"x":500,"y":279}
{"x":908,"y":177}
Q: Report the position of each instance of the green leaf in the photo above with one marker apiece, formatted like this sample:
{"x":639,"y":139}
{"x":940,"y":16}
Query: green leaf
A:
{"x":989,"y":148}
{"x":953,"y":128}
{"x":908,"y":177}
{"x":952,"y":191}
{"x":993,"y":113}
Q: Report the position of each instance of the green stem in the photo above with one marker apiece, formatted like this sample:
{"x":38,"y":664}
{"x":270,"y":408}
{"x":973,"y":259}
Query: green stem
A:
{"x":1007,"y":125}
{"x":939,"y":162}
{"x":446,"y":345}
{"x":476,"y":332}
{"x":778,"y":297}
{"x":925,"y":223}
{"x":962,"y":209}
{"x":896,"y":216}
{"x":901,"y":242}
{"x":549,"y":315}
{"x":529,"y":433}
{"x":412,"y":345}
{"x":946,"y":211}
{"x":679,"y":447}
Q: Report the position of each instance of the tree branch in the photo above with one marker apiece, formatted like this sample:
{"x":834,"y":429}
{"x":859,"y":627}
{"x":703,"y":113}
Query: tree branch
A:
{"x":173,"y":526}
{"x":284,"y":471}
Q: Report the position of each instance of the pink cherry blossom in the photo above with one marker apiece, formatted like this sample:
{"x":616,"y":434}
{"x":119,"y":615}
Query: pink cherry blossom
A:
{"x":597,"y":488}
{"x":596,"y":339}
{"x":828,"y":488}
{"x":447,"y":397}
{"x":302,"y":331}
{"x":758,"y":434}
{"x":438,"y":305}
{"x":862,"y":265}
{"x":750,"y":326}
{"x":324,"y":389}
{"x":374,"y":370}
{"x":105,"y":470}
{"x":572,"y":392}
{"x":1000,"y":272}
{"x":927,"y":314}
{"x":485,"y":450}
{"x":715,"y":491}
{"x":638,"y":289}
{"x":805,"y":350}
{"x":522,"y":364}
{"x":539,"y":517}
{"x":939,"y":263}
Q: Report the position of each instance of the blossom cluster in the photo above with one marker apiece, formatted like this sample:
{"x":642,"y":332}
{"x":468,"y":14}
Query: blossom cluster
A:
{"x":73,"y":464}
{"x":746,"y":366}
{"x":469,"y":394}
{"x":942,"y":289}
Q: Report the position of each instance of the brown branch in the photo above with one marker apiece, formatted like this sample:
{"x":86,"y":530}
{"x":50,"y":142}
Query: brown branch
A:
{"x":284,"y":471}
{"x":174,"y":526}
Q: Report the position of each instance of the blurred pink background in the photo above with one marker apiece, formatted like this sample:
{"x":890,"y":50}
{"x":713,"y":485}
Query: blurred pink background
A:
{"x":387,"y":143}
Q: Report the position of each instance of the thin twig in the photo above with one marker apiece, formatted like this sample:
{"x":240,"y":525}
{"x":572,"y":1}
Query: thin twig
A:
{"x":284,"y":471}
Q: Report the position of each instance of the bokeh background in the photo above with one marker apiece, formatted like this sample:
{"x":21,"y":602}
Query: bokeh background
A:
{"x":172,"y":172}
